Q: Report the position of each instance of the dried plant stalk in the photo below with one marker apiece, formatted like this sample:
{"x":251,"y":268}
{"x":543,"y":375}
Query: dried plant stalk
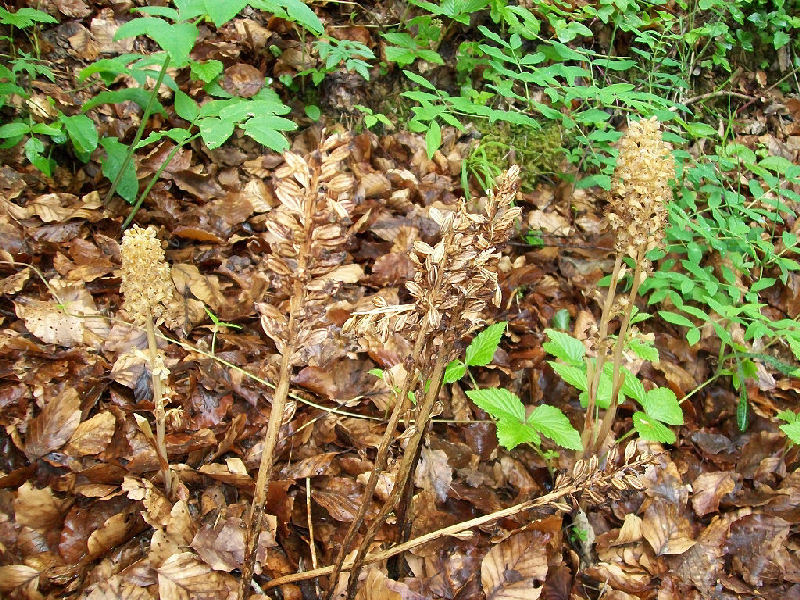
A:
{"x":587,"y":484}
{"x":637,"y":215}
{"x":307,"y":234}
{"x":147,"y":289}
{"x":453,"y":282}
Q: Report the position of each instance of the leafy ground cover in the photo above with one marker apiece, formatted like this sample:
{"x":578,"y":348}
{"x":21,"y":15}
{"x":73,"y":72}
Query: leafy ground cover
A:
{"x":410,"y":300}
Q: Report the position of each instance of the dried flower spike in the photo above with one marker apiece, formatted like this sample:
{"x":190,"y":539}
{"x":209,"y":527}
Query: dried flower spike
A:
{"x":638,"y":212}
{"x":146,"y":283}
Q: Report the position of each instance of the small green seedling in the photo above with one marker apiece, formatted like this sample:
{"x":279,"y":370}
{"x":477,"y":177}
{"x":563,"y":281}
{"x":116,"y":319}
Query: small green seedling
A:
{"x":216,"y":327}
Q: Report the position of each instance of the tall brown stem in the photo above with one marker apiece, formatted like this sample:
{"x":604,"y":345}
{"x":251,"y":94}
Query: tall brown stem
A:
{"x":159,"y":410}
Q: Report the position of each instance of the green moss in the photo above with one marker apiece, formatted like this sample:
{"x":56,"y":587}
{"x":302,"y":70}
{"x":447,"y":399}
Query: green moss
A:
{"x":538,"y":152}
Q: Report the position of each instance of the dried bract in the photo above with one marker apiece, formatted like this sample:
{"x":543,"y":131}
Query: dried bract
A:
{"x":641,"y":190}
{"x":456,"y":278}
{"x":146,"y":283}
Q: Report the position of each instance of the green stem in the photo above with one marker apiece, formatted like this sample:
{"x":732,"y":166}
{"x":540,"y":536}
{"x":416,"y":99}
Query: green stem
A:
{"x":153,"y":180}
{"x":145,"y":117}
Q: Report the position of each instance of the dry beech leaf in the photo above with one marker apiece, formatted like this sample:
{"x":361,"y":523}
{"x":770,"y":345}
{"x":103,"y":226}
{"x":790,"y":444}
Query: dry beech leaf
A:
{"x":709,"y":488}
{"x":375,"y":587}
{"x":38,"y":509}
{"x":92,"y":436}
{"x":14,"y":576}
{"x":515,"y":569}
{"x":666,"y":529}
{"x":630,"y":532}
{"x":184,"y":577}
{"x":55,"y":424}
{"x":48,"y":322}
{"x":434,"y":473}
{"x":110,"y":534}
{"x":115,"y":588}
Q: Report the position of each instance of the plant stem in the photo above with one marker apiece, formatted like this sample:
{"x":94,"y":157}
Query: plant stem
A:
{"x":145,"y":117}
{"x":159,"y":410}
{"x":152,"y":181}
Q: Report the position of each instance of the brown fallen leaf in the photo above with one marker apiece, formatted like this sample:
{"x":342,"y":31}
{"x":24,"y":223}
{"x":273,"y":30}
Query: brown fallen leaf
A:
{"x":18,"y":576}
{"x":434,"y":473}
{"x":709,"y":488}
{"x":665,"y":528}
{"x":56,"y":423}
{"x":38,"y":508}
{"x":516,"y":568}
{"x":184,"y":577}
{"x":116,"y":588}
{"x":92,"y":436}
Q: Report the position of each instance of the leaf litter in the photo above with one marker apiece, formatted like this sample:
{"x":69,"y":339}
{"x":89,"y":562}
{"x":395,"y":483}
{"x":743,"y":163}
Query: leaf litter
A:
{"x":83,"y":512}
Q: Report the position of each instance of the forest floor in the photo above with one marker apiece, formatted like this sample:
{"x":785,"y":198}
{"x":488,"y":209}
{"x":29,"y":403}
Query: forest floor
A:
{"x":82,"y":507}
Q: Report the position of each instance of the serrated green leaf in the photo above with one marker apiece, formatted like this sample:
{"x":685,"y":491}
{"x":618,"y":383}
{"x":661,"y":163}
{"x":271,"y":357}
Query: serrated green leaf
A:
{"x":675,"y":318}
{"x":512,"y":433}
{"x":266,"y":130}
{"x":792,"y":431}
{"x":554,"y":424}
{"x":575,"y":376}
{"x":484,"y":345}
{"x":454,"y":371}
{"x":376,"y":372}
{"x":498,"y":402}
{"x":15,"y":129}
{"x":177,"y":39}
{"x":662,"y":404}
{"x":644,"y":350}
{"x":632,"y":387}
{"x":205,"y":71}
{"x":565,"y":347}
{"x":651,"y":429}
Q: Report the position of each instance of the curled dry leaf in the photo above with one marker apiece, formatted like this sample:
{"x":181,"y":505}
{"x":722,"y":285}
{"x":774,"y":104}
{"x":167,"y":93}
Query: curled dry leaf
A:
{"x":115,"y":588}
{"x":92,"y":436}
{"x":55,"y":424}
{"x":515,"y":569}
{"x":184,"y":577}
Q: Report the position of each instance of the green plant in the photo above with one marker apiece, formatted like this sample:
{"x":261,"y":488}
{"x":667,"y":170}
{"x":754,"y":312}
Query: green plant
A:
{"x":217,"y":323}
{"x":175,"y":31}
{"x":335,"y":53}
{"x":791,"y":426}
{"x":42,"y":127}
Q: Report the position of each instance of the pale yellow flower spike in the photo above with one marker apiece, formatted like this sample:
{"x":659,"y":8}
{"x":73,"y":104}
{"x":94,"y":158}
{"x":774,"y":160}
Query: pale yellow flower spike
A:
{"x":146,"y":282}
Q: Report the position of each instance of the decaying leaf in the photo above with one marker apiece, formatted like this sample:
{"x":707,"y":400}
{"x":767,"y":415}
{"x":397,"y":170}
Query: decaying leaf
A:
{"x":93,"y":435}
{"x":516,"y":568}
{"x":666,"y":529}
{"x":184,"y":577}
{"x":433,"y":473}
{"x":55,"y":425}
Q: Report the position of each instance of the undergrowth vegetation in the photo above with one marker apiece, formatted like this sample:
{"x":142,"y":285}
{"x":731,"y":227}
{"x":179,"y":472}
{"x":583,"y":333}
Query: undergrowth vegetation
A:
{"x":626,"y":99}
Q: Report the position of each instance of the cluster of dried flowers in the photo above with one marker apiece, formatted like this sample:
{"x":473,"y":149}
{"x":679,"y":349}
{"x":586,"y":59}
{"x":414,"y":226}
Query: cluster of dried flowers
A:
{"x":641,"y":191}
{"x":147,"y":289}
{"x":454,"y":279}
{"x":307,"y":234}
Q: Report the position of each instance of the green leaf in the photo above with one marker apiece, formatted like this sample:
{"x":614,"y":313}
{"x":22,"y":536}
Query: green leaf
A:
{"x":419,"y":80}
{"x":222,"y":12}
{"x":512,"y":433}
{"x":433,"y":138}
{"x":484,"y":345}
{"x":266,"y":130}
{"x":25,"y":17}
{"x":792,"y":431}
{"x":176,"y":40}
{"x":454,"y":371}
{"x":295,"y":10}
{"x":632,"y":387}
{"x":650,"y":429}
{"x":376,"y":372}
{"x":185,"y":106}
{"x":498,"y":402}
{"x":14,"y":129}
{"x":82,"y":133}
{"x":115,"y":156}
{"x":134,"y":94}
{"x":565,"y":347}
{"x":313,"y":112}
{"x":700,"y":130}
{"x":561,"y":320}
{"x":575,"y":376}
{"x":675,"y":318}
{"x":554,"y":424}
{"x":215,"y":131}
{"x":205,"y":71}
{"x":662,"y":404}
{"x":34,"y":148}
